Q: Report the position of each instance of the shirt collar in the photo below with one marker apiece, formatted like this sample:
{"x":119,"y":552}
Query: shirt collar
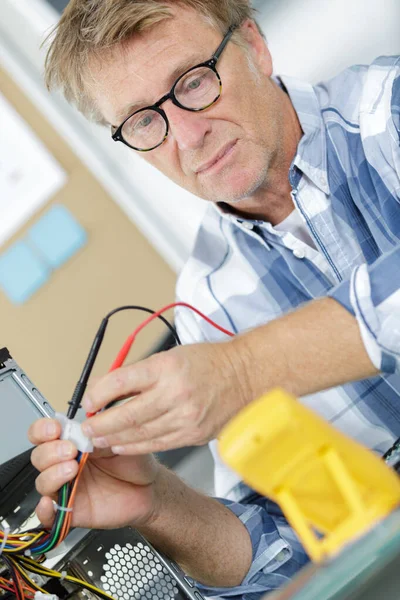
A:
{"x":228,"y":212}
{"x":311,"y":156}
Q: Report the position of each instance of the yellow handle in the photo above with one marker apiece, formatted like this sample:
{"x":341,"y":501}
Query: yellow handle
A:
{"x":324,"y":481}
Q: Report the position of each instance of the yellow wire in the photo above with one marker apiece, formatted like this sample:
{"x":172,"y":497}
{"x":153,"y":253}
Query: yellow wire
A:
{"x":95,"y":589}
{"x":24,"y":534}
{"x":49,"y":572}
{"x":33,"y":563}
{"x":17,"y":547}
{"x":21,"y":570}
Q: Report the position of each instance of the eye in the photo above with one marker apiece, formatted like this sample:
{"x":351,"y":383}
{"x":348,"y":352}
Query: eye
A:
{"x":194,"y":84}
{"x":144,"y":122}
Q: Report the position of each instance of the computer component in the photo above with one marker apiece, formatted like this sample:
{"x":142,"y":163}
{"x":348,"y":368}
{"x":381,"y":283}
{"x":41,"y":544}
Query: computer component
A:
{"x":125,"y":565}
{"x":392,"y":456}
{"x":120,"y":561}
{"x":21,"y":404}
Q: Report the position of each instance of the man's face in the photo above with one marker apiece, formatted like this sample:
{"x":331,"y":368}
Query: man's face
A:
{"x":223,"y":153}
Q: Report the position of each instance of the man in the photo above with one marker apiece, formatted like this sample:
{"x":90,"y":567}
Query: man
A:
{"x":304,"y":191}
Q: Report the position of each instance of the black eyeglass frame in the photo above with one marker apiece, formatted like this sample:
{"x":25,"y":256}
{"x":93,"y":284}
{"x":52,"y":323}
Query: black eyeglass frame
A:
{"x":211,"y":64}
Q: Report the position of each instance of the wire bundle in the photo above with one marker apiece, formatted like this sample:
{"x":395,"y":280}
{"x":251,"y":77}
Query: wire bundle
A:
{"x":17,"y":585}
{"x":24,"y":553}
{"x":37,"y":542}
{"x":23,"y":587}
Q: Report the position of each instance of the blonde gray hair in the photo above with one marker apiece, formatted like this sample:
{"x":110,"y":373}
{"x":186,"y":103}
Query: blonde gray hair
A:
{"x":89,"y":27}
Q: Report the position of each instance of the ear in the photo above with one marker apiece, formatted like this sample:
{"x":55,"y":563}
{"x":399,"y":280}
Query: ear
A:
{"x":257,"y":46}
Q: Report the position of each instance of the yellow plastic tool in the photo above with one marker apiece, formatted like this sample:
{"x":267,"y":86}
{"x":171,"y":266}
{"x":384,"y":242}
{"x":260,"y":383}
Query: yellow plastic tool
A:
{"x":330,"y":488}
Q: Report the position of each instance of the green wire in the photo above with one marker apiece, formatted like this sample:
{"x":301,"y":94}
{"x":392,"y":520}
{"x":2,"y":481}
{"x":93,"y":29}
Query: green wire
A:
{"x":61,"y":516}
{"x":58,"y":524}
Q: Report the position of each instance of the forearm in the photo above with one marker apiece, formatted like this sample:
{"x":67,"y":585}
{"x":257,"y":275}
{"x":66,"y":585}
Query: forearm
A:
{"x":314,"y":348}
{"x":204,"y":537}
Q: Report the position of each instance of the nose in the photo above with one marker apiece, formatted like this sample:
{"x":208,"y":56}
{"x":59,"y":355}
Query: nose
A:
{"x":187,"y":128}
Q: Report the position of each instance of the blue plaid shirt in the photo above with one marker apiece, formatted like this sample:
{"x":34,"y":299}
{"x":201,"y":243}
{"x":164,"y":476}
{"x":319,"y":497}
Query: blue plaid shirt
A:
{"x":243,"y":273}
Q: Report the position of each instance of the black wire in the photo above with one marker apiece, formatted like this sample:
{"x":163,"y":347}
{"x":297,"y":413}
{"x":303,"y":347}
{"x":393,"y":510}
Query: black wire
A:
{"x":13,"y":574}
{"x":25,"y":576}
{"x":77,"y":396}
{"x":152,"y":312}
{"x":393,"y":448}
{"x":99,"y":592}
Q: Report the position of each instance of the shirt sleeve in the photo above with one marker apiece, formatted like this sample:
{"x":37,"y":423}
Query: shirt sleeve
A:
{"x":277,"y":553}
{"x":373,"y":293}
{"x":373,"y":296}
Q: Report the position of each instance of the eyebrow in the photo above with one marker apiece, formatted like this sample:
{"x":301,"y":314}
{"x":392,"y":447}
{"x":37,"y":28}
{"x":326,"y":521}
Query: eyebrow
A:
{"x":173,"y":76}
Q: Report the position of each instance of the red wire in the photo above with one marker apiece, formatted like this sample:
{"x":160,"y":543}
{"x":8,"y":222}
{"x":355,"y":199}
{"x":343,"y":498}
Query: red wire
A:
{"x":123,"y":353}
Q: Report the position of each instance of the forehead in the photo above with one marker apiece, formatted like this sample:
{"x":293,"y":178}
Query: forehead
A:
{"x":139,"y":71}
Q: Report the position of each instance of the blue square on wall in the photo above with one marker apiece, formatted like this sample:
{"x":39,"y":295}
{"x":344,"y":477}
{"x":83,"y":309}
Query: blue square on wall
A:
{"x":22,"y":273}
{"x":57,"y":236}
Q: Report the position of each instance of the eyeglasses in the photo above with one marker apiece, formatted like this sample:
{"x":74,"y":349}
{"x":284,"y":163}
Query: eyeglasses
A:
{"x":197,"y":89}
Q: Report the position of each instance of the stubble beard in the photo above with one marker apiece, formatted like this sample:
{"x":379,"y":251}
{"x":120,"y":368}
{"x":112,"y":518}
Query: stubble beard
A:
{"x":260,"y":180}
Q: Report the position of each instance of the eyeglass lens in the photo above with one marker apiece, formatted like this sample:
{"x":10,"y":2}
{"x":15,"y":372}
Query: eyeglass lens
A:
{"x":196,"y":90}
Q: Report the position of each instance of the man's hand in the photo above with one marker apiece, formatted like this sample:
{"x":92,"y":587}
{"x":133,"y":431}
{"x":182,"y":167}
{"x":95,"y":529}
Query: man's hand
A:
{"x":182,"y":397}
{"x":113,"y":491}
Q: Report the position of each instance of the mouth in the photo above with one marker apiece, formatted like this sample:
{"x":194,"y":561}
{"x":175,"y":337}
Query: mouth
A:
{"x":218,"y":159}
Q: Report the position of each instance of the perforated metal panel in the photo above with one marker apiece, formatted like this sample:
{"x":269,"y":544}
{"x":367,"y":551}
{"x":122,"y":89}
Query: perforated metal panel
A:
{"x":135,"y":572}
{"x":127,"y":567}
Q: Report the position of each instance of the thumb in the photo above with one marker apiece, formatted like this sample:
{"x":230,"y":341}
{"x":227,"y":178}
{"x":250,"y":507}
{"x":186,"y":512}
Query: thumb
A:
{"x":45,"y":512}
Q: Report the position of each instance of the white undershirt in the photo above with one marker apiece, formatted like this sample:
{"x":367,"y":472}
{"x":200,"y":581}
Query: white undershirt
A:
{"x":295,"y":225}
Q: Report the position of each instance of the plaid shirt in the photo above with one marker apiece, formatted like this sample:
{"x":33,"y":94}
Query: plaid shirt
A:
{"x":243,"y":273}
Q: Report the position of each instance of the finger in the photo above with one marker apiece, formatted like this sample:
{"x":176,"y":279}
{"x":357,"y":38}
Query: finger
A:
{"x":162,"y":444}
{"x":121,"y":383}
{"x":134,"y":413}
{"x":44,"y":430}
{"x":45,"y":512}
{"x":161,"y":426}
{"x":51,"y":453}
{"x":51,"y":480}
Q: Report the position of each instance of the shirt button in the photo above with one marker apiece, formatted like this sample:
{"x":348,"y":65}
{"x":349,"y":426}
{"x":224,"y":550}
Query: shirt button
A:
{"x":248,"y":225}
{"x":282,"y":555}
{"x":299,"y":253}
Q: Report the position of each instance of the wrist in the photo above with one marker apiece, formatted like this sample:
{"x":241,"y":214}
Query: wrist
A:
{"x":161,"y":487}
{"x":243,"y":363}
{"x":261,"y":362}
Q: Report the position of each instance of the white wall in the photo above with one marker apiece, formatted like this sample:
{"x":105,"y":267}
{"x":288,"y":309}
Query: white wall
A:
{"x":310,"y":39}
{"x":23,"y":24}
{"x":315,"y":39}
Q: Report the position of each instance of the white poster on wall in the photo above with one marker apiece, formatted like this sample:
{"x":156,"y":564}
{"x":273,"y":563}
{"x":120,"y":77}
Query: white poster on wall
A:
{"x":29,"y":175}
